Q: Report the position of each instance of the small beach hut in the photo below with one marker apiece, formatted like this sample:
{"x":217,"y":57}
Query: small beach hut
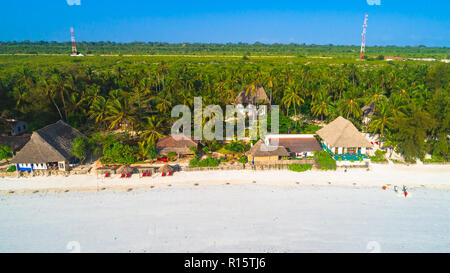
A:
{"x":166,"y":169}
{"x":126,"y":169}
{"x":260,"y":152}
{"x":179,"y":144}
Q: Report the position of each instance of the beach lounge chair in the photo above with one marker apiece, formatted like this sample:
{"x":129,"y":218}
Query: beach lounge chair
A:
{"x":163,"y":174}
{"x":170,"y":174}
{"x":122,"y":176}
{"x":128,"y":175}
{"x":149,"y":174}
{"x":107,"y":175}
{"x":144,"y":174}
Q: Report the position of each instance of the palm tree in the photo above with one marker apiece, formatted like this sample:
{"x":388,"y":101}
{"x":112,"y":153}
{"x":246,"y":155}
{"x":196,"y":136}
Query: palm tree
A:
{"x":120,"y":111}
{"x":291,"y":97}
{"x":164,"y":105}
{"x":321,"y":106}
{"x":151,"y":130}
{"x":99,"y":109}
{"x":350,"y":105}
{"x":382,"y":120}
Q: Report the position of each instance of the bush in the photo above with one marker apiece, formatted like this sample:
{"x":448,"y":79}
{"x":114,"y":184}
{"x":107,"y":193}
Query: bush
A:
{"x":152,"y":153}
{"x":236,"y":147}
{"x":300,"y":167}
{"x":193,"y":162}
{"x":12,"y":169}
{"x":80,"y":148}
{"x":243,"y":160}
{"x":119,"y":153}
{"x":209,"y":162}
{"x":5,"y":152}
{"x":379,"y":156}
{"x":172,"y":155}
{"x":325,"y":161}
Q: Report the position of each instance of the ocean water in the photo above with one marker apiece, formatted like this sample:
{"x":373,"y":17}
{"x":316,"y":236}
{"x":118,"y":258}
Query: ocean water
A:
{"x":238,"y":218}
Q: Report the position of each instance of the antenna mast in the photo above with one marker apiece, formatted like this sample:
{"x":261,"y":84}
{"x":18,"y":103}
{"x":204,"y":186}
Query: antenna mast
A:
{"x":363,"y":43}
{"x":74,"y":46}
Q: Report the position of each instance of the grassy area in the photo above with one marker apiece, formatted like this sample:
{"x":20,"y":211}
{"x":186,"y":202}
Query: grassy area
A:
{"x":300,"y":167}
{"x":325,"y":161}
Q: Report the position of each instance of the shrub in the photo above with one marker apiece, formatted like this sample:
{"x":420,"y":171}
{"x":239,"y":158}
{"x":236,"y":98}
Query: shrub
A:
{"x":80,"y":148}
{"x":237,"y":147}
{"x":12,"y":169}
{"x":209,"y":162}
{"x":325,"y":161}
{"x":379,"y":156}
{"x":243,"y":160}
{"x":152,"y":153}
{"x":119,"y":153}
{"x":5,"y":152}
{"x":300,"y":167}
{"x":193,"y":162}
{"x":172,"y":155}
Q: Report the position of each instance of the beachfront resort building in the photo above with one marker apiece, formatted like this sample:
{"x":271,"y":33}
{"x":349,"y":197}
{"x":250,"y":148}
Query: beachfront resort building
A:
{"x":298,"y":146}
{"x":279,"y":147}
{"x":260,"y":152}
{"x":48,"y":148}
{"x":344,"y":142}
{"x":179,"y":144}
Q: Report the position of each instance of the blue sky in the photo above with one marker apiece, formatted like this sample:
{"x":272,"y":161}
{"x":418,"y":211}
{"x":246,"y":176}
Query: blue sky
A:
{"x":394,"y":22}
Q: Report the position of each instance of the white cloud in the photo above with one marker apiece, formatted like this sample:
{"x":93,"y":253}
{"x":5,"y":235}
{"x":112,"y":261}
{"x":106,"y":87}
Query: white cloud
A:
{"x":374,"y":2}
{"x":74,"y":2}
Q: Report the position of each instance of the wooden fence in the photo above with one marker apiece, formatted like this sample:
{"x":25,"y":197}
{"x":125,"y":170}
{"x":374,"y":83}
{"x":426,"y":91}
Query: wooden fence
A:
{"x":259,"y":166}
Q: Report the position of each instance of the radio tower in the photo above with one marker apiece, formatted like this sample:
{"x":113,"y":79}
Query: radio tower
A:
{"x":74,"y":46}
{"x":363,"y":43}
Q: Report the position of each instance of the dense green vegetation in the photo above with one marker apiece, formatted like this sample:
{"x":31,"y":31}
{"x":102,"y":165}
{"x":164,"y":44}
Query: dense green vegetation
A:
{"x":300,"y":167}
{"x":239,"y":49}
{"x":208,"y":162}
{"x":136,"y":94}
{"x":325,"y":161}
{"x":5,"y":152}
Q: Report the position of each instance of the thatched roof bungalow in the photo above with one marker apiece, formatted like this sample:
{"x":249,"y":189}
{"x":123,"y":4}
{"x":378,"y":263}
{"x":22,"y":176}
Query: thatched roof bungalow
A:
{"x":254,"y":97}
{"x":166,"y":169}
{"x":299,"y":146}
{"x":342,"y":137}
{"x":260,"y":152}
{"x":49,"y":146}
{"x":179,"y":144}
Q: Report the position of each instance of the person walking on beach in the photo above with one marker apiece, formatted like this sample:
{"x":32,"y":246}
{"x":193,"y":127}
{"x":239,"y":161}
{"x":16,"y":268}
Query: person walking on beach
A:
{"x":396,"y":189}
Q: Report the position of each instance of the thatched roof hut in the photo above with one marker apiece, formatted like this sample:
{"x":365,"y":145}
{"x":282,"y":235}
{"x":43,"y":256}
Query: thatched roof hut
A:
{"x":342,"y":133}
{"x":260,"y":149}
{"x":52,"y":143}
{"x":179,"y":144}
{"x":126,"y":169}
{"x":252,"y":97}
{"x":166,"y":169}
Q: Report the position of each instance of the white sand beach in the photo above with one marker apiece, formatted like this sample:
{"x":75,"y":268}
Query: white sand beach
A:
{"x":430,"y":176}
{"x":275,"y":214}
